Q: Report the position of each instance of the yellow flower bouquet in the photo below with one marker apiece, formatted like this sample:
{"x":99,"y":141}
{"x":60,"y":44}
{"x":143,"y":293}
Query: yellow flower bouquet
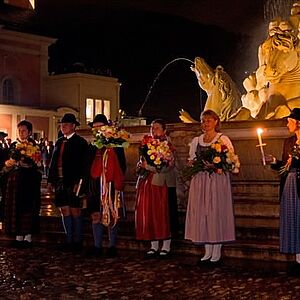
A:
{"x":26,"y":152}
{"x":110,"y":136}
{"x":157,"y":153}
{"x":215,"y":159}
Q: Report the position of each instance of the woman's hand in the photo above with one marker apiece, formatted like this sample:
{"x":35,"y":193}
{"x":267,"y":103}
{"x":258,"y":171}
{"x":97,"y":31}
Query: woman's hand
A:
{"x":208,"y":165}
{"x":190,"y":162}
{"x":270,"y":159}
{"x":10,"y":163}
{"x":141,"y":164}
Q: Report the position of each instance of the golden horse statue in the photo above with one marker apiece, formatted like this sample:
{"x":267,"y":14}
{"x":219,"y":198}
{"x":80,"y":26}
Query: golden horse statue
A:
{"x":223,"y":97}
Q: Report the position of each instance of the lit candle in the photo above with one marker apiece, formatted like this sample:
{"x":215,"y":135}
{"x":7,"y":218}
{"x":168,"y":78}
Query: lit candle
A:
{"x":261,"y":145}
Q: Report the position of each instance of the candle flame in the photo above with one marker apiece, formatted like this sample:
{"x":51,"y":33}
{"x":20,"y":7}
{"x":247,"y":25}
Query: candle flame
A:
{"x":259,"y":131}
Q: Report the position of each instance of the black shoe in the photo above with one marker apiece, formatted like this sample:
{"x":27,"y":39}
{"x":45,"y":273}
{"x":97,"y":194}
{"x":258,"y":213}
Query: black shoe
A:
{"x":76,"y":247}
{"x":294,"y":270}
{"x":217,"y":263}
{"x":164,"y":254}
{"x":17,"y":244}
{"x":64,"y":247}
{"x":112,"y":252}
{"x":151,"y":254}
{"x":27,"y":244}
{"x":94,"y":252}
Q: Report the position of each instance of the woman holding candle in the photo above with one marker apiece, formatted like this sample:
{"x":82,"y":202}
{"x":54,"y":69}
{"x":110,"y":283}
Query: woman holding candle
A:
{"x":209,"y":218}
{"x":289,"y":167}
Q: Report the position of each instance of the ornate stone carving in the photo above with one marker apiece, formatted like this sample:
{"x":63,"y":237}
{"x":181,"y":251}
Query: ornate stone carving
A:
{"x":272,"y":90}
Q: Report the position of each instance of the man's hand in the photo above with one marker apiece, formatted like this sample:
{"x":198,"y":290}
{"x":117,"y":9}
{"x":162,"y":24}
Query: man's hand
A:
{"x":75,"y":188}
{"x":50,"y":188}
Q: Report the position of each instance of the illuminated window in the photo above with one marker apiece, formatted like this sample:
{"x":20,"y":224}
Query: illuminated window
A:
{"x":8,"y":91}
{"x":89,"y":110}
{"x":96,"y":106}
{"x":106,"y":109}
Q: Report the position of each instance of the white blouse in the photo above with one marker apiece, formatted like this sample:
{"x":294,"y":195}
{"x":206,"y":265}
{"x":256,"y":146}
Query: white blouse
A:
{"x":199,"y":140}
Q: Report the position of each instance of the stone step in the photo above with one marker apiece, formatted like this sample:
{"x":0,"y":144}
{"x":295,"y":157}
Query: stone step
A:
{"x":256,"y":243}
{"x":243,"y":249}
{"x":256,"y":217}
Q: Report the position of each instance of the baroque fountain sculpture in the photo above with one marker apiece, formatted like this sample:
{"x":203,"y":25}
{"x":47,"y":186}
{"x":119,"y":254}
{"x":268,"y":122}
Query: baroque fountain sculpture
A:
{"x":272,"y":90}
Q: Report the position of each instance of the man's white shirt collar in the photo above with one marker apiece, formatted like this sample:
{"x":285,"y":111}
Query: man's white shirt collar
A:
{"x":69,"y":136}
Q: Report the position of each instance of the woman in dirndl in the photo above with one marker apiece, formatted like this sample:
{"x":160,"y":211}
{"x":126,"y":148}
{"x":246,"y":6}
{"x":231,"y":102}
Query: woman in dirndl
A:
{"x":209,"y":216}
{"x":289,"y":166}
{"x":156,"y":202}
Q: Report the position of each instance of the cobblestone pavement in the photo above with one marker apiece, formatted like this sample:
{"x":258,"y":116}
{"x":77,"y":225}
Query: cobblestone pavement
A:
{"x":45,"y":273}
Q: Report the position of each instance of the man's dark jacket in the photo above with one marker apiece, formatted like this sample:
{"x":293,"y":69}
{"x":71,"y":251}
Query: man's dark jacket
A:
{"x":74,"y":161}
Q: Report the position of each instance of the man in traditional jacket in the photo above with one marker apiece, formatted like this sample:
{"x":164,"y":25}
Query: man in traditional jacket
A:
{"x":66,"y":173}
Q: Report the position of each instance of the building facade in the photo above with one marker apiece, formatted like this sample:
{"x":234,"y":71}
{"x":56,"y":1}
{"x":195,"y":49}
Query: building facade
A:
{"x":27,"y":91}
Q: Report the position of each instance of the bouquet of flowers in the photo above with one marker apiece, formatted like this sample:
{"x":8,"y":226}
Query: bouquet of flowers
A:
{"x":26,"y":152}
{"x":215,"y":159}
{"x":110,"y":136}
{"x":157,"y":153}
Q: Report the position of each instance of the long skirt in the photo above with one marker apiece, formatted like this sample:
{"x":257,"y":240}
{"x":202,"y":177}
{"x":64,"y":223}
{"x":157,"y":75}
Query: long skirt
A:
{"x":152,"y":211}
{"x":290,"y":216}
{"x":22,"y":201}
{"x":209,"y":217}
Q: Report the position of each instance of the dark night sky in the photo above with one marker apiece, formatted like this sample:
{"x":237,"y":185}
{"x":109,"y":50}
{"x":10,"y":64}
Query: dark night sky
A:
{"x":135,"y":39}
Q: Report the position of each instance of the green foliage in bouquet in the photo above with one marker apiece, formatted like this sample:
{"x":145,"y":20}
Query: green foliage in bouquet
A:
{"x":215,"y":159}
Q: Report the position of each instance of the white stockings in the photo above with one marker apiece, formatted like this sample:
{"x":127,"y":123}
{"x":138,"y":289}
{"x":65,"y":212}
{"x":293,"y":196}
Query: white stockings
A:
{"x":213,"y":252}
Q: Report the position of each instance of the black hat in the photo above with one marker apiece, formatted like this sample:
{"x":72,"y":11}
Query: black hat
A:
{"x":3,"y":134}
{"x":295,"y":114}
{"x":100,"y":118}
{"x":69,"y":118}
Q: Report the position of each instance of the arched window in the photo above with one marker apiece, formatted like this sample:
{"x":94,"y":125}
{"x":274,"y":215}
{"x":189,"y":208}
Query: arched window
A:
{"x":8,"y":91}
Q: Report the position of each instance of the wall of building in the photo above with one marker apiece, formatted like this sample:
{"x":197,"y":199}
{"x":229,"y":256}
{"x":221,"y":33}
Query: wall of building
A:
{"x":24,"y":58}
{"x":73,"y":89}
{"x":6,"y":123}
{"x":41,"y":98}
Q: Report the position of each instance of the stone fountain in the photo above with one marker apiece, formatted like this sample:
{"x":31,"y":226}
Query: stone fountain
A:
{"x":272,"y":90}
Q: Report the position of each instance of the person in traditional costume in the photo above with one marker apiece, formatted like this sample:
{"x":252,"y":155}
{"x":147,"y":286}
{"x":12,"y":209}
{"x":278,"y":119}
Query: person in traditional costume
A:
{"x":209,"y":215}
{"x":4,"y":155}
{"x":289,"y":167}
{"x":22,"y":189}
{"x":156,"y":200}
{"x":3,"y":149}
{"x":67,"y":170}
{"x":105,"y":201}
